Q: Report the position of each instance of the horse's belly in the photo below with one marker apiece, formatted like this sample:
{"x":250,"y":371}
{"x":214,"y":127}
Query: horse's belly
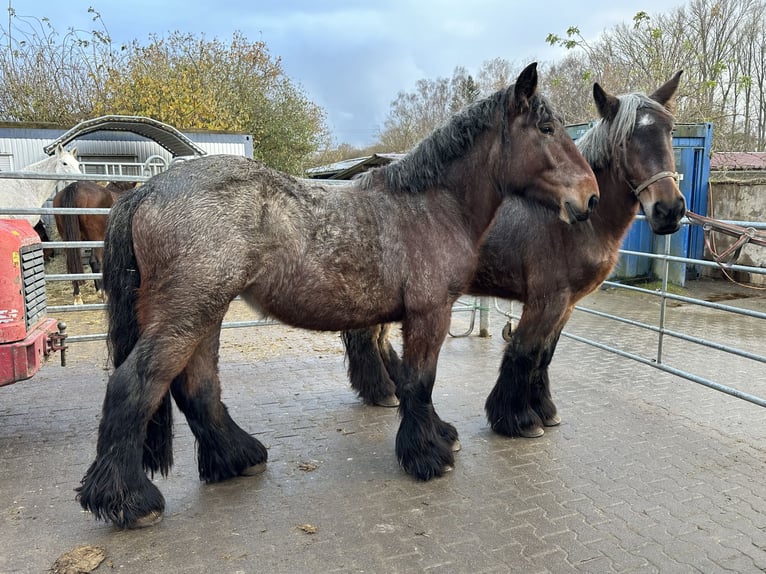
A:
{"x":324,"y":302}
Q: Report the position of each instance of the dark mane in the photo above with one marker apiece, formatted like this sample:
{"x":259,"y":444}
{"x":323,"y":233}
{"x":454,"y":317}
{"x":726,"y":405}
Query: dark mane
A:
{"x":424,"y":166}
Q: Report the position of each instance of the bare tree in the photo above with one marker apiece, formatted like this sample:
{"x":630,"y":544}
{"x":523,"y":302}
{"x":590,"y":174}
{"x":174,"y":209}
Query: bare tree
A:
{"x":718,"y":43}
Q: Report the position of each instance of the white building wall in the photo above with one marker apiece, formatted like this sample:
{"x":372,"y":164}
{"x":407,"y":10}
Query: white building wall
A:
{"x":23,"y":146}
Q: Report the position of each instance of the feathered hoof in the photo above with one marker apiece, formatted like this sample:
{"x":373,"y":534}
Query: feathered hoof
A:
{"x":553,"y":421}
{"x":154,"y":517}
{"x":388,"y":401}
{"x":254,"y":470}
{"x":532,"y":432}
{"x":456,"y":446}
{"x":78,"y":300}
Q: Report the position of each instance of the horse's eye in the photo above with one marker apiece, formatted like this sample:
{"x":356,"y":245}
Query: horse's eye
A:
{"x":547,"y":129}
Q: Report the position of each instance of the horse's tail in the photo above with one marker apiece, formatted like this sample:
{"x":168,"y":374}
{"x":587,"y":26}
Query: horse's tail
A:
{"x":121,"y":279}
{"x":69,"y":228}
{"x":121,"y":282}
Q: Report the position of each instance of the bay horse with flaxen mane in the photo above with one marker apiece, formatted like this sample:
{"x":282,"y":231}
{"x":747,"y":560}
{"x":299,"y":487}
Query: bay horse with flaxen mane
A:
{"x":85,"y":226}
{"x":398,"y":244}
{"x":529,"y":256}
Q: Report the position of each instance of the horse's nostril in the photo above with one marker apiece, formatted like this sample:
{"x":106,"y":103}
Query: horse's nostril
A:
{"x":592,"y":202}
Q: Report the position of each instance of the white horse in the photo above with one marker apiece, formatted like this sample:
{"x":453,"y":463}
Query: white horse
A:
{"x":35,"y":192}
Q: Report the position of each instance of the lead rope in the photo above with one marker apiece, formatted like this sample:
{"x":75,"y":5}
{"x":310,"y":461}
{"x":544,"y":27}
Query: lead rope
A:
{"x":744,"y":236}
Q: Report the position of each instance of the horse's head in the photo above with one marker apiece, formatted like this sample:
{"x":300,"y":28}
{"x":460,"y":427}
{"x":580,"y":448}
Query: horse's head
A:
{"x":642,"y":140}
{"x":543,"y":161}
{"x":66,"y":162}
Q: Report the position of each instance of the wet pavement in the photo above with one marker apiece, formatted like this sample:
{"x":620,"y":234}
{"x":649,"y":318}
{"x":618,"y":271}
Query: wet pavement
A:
{"x":648,"y":472}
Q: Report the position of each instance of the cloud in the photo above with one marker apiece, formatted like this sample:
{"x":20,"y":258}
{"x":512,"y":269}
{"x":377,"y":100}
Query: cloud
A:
{"x":352,"y":58}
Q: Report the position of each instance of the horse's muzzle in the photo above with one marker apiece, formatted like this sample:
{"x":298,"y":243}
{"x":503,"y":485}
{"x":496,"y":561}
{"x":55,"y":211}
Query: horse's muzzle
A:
{"x":574,"y":213}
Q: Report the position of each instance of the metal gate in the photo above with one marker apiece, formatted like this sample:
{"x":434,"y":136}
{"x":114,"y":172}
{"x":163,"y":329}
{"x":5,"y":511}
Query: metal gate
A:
{"x":739,"y":329}
{"x":753,"y":356}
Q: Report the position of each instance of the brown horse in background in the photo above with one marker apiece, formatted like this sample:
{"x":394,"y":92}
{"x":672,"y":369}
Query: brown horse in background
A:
{"x":85,"y":227}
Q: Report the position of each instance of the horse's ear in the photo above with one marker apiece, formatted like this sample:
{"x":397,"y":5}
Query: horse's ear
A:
{"x":606,"y":104}
{"x":666,"y":93}
{"x":73,"y":151}
{"x":526,"y":84}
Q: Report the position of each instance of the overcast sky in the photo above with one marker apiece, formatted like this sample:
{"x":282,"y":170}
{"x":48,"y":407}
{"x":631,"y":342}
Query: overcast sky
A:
{"x":352,"y":58}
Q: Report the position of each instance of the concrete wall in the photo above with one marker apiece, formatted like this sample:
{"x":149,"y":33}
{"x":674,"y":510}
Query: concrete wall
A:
{"x":739,"y":196}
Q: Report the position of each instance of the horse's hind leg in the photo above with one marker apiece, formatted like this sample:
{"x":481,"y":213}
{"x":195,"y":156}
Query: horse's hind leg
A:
{"x":96,"y":256}
{"x":425,"y":444}
{"x":224,"y":450}
{"x":158,"y":444}
{"x":366,"y":367}
{"x":115,"y":487}
{"x":76,"y":297}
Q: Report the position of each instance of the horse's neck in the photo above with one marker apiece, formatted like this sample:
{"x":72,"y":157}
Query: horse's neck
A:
{"x":479,"y":199}
{"x":617,"y":206}
{"x":481,"y":202}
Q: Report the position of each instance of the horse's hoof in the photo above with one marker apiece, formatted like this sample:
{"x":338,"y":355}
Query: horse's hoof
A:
{"x":154,"y":517}
{"x":254,"y":470}
{"x":456,"y":446}
{"x":532,"y":432}
{"x":553,"y":421}
{"x":388,"y":401}
{"x":78,"y":301}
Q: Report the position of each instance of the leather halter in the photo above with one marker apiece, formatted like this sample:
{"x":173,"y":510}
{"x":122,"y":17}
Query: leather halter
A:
{"x":656,"y":177}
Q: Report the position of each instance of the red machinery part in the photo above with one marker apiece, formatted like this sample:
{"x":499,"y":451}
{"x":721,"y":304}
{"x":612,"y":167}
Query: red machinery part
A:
{"x":25,"y":330}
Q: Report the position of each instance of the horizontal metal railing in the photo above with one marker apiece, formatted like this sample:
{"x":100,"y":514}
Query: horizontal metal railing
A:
{"x":660,"y":329}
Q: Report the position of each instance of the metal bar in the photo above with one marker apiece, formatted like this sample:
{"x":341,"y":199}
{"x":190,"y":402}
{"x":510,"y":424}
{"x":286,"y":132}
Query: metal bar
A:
{"x":700,"y":302}
{"x":663,"y":299}
{"x":227,"y":325}
{"x":70,"y":176}
{"x":675,"y":334}
{"x":702,"y":262}
{"x":53,"y":210}
{"x":683,"y":374}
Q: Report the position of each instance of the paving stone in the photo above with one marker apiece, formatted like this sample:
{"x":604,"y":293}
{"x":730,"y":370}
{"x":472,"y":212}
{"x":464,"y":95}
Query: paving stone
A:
{"x":648,"y":472}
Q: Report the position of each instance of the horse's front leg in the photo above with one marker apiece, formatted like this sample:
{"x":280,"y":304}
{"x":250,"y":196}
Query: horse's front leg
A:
{"x":224,"y":450}
{"x":425,"y":444}
{"x":541,"y":399}
{"x":520,"y":404}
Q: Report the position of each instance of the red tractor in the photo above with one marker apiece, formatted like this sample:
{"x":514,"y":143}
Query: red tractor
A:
{"x":27,"y":335}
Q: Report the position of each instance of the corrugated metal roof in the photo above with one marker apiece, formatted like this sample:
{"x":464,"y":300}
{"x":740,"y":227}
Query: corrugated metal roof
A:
{"x":348,"y":168}
{"x":167,"y":136}
{"x":738,"y":160}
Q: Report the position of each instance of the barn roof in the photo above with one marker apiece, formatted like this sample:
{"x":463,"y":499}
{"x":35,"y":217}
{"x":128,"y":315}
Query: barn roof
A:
{"x":738,"y":160}
{"x":348,"y":168}
{"x":166,"y":136}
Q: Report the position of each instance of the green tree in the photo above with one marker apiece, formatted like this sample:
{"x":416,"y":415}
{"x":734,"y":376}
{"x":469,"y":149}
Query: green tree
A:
{"x":194,"y":83}
{"x":186,"y":81}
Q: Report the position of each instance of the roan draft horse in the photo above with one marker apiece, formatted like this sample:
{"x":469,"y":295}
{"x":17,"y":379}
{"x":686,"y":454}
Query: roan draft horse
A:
{"x":84,"y":226}
{"x":529,"y":256}
{"x":399,"y":244}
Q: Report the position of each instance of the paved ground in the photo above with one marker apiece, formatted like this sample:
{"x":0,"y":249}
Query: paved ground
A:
{"x":647,"y":473}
